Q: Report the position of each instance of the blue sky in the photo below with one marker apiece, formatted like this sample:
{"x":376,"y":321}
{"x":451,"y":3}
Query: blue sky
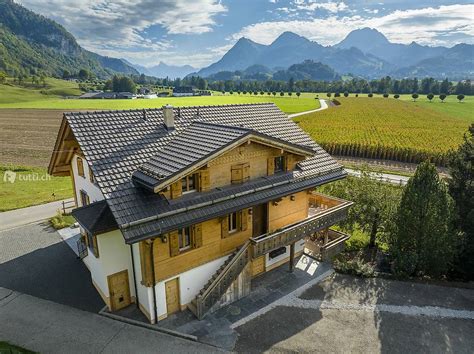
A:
{"x":199,"y":32}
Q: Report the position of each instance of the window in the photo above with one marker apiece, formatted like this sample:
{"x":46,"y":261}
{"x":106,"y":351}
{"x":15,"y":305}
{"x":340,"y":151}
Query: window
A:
{"x":232,"y":222}
{"x":92,"y":244}
{"x":188,"y":183}
{"x":279,"y":164}
{"x":84,"y":198}
{"x":184,"y":237}
{"x":80,"y":167}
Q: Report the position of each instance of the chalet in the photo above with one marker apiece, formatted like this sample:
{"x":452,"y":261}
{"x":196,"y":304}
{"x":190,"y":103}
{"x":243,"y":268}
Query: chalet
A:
{"x":182,"y":207}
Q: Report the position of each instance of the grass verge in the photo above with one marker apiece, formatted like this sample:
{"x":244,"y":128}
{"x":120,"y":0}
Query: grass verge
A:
{"x":22,"y":187}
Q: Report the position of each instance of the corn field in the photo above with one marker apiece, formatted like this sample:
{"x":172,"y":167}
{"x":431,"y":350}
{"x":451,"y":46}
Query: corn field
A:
{"x":385,"y":129}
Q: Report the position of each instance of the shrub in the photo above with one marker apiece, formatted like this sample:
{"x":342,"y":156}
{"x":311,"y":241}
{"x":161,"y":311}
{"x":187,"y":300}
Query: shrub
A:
{"x":414,"y":96}
{"x":442,"y":97}
{"x":357,"y":95}
{"x":370,"y":95}
{"x":346,"y":94}
{"x":430,"y":96}
{"x":328,"y":94}
{"x":337,"y":94}
{"x":396,"y":96}
{"x":460,"y":98}
{"x":385,"y":95}
{"x":61,"y":221}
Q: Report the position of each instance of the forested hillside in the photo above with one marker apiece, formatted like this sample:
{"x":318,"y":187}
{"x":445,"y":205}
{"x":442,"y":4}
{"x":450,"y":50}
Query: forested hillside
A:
{"x":31,"y":44}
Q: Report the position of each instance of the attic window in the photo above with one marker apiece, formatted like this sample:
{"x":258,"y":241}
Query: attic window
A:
{"x":279,"y":164}
{"x":189,"y":183}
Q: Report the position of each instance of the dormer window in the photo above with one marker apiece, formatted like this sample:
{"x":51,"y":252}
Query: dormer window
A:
{"x":189,"y":183}
{"x":279,"y":164}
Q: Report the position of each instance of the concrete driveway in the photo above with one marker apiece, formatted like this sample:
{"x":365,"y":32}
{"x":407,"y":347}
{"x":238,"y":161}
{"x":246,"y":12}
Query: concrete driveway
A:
{"x":35,"y":261}
{"x":347,"y":314}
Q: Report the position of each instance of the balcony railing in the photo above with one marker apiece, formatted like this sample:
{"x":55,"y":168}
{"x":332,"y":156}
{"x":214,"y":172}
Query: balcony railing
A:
{"x":324,"y":211}
{"x":335,"y":246}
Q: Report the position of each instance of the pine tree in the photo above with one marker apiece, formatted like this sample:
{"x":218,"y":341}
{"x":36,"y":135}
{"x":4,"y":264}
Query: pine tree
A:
{"x":461,"y":187}
{"x":422,"y":239}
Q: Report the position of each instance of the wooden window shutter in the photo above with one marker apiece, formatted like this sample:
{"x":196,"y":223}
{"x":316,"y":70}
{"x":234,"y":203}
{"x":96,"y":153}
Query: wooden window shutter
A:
{"x":95,"y":247}
{"x":243,"y":219}
{"x":245,"y":172}
{"x":80,"y":167}
{"x":174,"y":243}
{"x":237,"y":174}
{"x":91,"y":175}
{"x":197,"y":235}
{"x":146,"y":263}
{"x":225,"y":226}
{"x":176,"y":190}
{"x":204,"y":180}
{"x":88,"y":200}
{"x":270,"y":166}
{"x":289,"y":163}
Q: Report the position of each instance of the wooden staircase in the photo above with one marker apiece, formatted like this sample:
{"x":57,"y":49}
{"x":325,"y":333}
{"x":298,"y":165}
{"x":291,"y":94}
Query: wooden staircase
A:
{"x":220,"y":281}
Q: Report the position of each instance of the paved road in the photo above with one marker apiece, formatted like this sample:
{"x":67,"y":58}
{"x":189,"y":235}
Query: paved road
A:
{"x":345,"y":314}
{"x":18,"y":217}
{"x":323,"y":104}
{"x":47,"y":327}
{"x":35,"y":261}
{"x":387,"y":177}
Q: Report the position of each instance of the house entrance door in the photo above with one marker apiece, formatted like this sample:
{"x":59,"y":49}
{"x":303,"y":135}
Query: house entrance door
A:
{"x":259,"y":220}
{"x":119,"y":290}
{"x":172,"y":296}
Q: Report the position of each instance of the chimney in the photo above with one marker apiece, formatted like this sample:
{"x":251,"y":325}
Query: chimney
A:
{"x":168,"y":117}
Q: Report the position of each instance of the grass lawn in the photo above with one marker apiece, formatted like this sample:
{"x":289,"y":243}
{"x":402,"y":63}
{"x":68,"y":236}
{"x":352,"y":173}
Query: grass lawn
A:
{"x":31,"y":186}
{"x":369,"y":123}
{"x":286,"y":104}
{"x":13,"y":93}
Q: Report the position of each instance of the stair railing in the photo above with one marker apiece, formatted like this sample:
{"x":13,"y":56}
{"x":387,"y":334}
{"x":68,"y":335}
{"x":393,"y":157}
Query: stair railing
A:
{"x":224,"y":279}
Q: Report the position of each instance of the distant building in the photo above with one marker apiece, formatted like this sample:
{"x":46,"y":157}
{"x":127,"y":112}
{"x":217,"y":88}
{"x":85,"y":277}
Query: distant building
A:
{"x":108,"y":95}
{"x":181,"y":91}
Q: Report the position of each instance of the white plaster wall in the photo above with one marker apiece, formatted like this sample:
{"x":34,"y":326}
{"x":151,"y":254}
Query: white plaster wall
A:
{"x":299,"y":246}
{"x":145,"y":295}
{"x":190,"y":283}
{"x":114,"y":257}
{"x":84,"y":183}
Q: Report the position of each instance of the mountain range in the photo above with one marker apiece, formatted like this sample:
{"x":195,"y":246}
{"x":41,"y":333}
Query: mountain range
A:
{"x":364,"y":52}
{"x":163,"y":70}
{"x":30,"y":42}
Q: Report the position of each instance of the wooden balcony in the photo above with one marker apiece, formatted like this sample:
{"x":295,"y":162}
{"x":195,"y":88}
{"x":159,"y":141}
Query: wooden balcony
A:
{"x":323,"y":212}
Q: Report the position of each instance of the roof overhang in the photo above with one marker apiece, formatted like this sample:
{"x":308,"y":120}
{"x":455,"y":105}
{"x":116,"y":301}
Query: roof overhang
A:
{"x":64,"y":148}
{"x":157,"y":185}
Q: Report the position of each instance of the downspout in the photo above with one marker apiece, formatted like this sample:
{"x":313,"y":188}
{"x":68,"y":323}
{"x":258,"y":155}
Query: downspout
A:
{"x":154,"y":281}
{"x":137,"y":302}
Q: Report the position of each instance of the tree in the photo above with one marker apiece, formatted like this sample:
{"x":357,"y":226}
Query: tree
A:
{"x":337,"y":94}
{"x":231,"y":92}
{"x":83,"y":74}
{"x":461,"y":188}
{"x":460,"y":98}
{"x":274,"y":93}
{"x":422,"y":239}
{"x":3,"y":77}
{"x":66,"y":74}
{"x":290,"y":93}
{"x":397,"y":96}
{"x":282,"y":93}
{"x":298,"y":94}
{"x":346,"y":94}
{"x":375,"y":204}
{"x":414,"y":96}
{"x":442,"y":97}
{"x":370,"y":95}
{"x":385,"y":95}
{"x":430,"y":96}
{"x":328,"y":94}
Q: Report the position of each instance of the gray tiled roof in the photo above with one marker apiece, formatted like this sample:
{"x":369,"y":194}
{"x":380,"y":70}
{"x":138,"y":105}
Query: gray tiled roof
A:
{"x":96,"y":217}
{"x":117,"y":143}
{"x":198,"y":141}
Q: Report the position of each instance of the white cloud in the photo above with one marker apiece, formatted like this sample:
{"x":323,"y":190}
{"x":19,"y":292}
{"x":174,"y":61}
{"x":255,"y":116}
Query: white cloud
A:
{"x":434,"y":26}
{"x":101,"y":25}
{"x":312,"y":5}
